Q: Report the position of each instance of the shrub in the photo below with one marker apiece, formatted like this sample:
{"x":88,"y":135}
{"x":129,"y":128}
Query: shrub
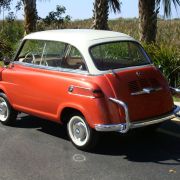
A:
{"x":11,"y":31}
{"x":5,"y":48}
{"x":169,"y":58}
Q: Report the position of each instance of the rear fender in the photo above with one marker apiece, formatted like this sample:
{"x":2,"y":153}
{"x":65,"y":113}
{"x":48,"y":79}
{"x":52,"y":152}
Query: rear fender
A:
{"x":1,"y":69}
{"x":76,"y":107}
{"x":94,"y":114}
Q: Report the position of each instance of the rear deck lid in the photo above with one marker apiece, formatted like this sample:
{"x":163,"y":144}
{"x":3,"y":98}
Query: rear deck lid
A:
{"x":134,"y":79}
{"x":144,"y":90}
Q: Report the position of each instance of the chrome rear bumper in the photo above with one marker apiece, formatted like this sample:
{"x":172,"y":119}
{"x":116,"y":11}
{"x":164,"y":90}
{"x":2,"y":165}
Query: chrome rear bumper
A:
{"x":174,"y":91}
{"x":125,"y":127}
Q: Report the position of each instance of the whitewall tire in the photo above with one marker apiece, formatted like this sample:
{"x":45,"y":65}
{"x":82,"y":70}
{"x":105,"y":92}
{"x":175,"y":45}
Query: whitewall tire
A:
{"x":81,"y":135}
{"x":7,"y":113}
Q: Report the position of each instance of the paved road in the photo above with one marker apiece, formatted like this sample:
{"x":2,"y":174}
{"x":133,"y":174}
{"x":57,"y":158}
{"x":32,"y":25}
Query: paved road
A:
{"x":39,"y":150}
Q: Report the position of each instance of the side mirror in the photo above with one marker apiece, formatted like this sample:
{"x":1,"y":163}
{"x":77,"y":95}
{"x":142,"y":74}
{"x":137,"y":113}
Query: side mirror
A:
{"x":6,"y":61}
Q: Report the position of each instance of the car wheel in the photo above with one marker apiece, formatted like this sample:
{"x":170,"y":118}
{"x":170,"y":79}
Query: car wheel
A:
{"x":7,"y":113}
{"x":81,"y":135}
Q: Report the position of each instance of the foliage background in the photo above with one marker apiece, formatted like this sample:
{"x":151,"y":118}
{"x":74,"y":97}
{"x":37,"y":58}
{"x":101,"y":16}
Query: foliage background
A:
{"x":166,"y":51}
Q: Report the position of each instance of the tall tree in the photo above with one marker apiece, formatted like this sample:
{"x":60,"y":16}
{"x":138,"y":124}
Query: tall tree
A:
{"x":148,"y":11}
{"x":4,"y":4}
{"x":30,"y":13}
{"x":101,"y":12}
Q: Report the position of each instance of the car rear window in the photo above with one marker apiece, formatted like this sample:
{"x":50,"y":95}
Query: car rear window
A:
{"x":121,"y":54}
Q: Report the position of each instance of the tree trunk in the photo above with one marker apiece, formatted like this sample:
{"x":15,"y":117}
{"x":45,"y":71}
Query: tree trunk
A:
{"x":147,"y":20}
{"x":30,"y":14}
{"x":100,"y":15}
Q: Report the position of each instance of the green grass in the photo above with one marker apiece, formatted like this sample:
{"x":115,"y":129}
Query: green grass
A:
{"x":1,"y":63}
{"x":168,"y":30}
{"x":176,"y":99}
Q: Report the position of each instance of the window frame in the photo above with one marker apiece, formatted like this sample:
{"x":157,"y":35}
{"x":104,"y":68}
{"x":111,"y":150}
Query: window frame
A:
{"x":67,"y":54}
{"x":108,"y":42}
{"x":60,"y":69}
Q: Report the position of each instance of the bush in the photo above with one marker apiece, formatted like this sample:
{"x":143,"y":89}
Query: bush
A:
{"x":5,"y":48}
{"x":169,"y":58}
{"x":11,"y":32}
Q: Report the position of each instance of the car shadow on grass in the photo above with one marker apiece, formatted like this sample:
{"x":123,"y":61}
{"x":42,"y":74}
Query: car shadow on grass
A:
{"x":161,"y":146}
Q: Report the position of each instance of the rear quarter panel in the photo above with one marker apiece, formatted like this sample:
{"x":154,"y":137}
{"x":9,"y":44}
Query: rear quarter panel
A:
{"x":45,"y":94}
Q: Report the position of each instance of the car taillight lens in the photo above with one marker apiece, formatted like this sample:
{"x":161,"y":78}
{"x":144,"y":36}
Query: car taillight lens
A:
{"x":98,"y":93}
{"x":88,"y":92}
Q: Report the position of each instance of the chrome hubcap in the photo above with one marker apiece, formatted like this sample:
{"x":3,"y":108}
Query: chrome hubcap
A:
{"x":4,"y":111}
{"x":78,"y":130}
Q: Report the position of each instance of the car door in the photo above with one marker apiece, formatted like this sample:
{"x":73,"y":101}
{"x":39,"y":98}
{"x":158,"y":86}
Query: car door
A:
{"x":39,"y":79}
{"x":33,"y":81}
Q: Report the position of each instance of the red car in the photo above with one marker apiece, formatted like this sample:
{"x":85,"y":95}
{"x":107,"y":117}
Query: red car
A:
{"x":92,"y":81}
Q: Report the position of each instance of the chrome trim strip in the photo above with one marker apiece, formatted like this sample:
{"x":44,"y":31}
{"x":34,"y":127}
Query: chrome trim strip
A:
{"x":80,"y":87}
{"x":125,"y":127}
{"x":80,"y":71}
{"x":150,"y":122}
{"x":109,"y":127}
{"x":71,"y":88}
{"x":146,"y":91}
{"x":100,"y":73}
{"x":59,"y":69}
{"x":166,"y":117}
{"x":175,"y":90}
{"x":80,"y":95}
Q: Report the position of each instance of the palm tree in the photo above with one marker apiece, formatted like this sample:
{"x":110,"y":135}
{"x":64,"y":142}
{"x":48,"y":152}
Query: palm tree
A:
{"x":148,"y":11}
{"x":101,"y":12}
{"x":30,"y":13}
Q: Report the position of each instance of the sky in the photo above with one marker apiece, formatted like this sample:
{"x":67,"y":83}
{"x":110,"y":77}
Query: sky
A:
{"x":82,"y":9}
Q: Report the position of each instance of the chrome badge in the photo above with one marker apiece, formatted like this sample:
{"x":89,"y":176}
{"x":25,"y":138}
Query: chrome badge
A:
{"x":139,"y":73}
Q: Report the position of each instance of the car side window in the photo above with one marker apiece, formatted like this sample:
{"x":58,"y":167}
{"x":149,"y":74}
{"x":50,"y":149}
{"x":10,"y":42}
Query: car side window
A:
{"x":73,"y":60}
{"x":44,"y":53}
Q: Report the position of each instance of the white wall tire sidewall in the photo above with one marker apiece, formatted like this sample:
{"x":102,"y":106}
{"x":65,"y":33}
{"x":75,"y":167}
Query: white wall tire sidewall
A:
{"x":78,"y":143}
{"x":4,"y":119}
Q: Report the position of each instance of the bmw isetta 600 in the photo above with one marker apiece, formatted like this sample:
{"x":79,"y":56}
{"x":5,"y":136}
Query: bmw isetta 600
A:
{"x":91,"y":81}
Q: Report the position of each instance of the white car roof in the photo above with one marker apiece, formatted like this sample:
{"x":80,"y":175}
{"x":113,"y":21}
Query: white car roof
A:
{"x":77,"y":36}
{"x":81,"y":39}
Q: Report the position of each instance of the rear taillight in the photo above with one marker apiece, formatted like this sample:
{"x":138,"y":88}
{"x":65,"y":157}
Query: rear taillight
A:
{"x":87,"y":92}
{"x":98,"y":93}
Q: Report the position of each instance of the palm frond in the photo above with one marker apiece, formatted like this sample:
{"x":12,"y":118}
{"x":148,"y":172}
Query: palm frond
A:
{"x":167,"y":5}
{"x":115,"y":5}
